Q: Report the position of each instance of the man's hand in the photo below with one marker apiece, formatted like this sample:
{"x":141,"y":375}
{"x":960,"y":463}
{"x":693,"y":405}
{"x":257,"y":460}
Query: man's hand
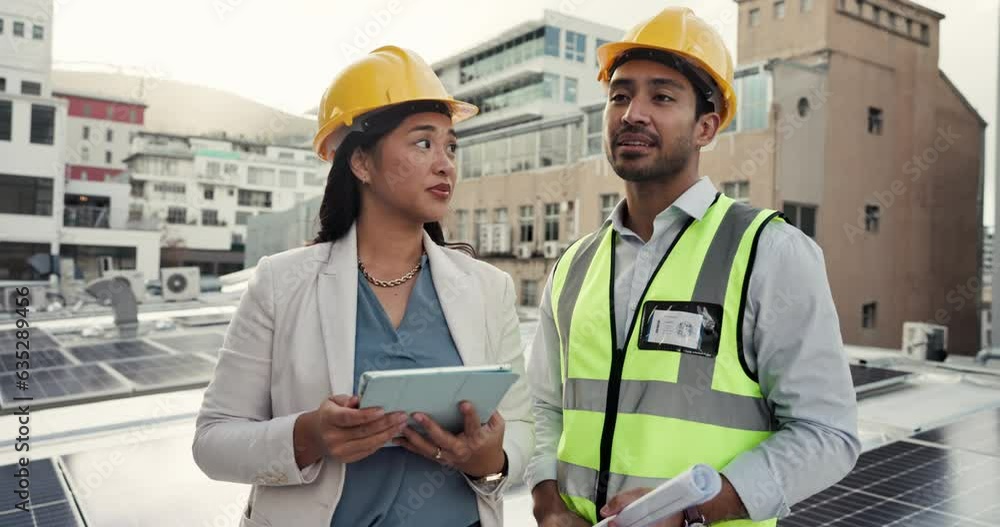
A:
{"x":550,"y":511}
{"x":564,"y":519}
{"x":619,"y":502}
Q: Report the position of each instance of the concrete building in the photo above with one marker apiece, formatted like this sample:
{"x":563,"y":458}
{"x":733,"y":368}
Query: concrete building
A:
{"x":845,"y":123}
{"x":99,"y":134}
{"x":35,"y":222}
{"x":202,"y":191}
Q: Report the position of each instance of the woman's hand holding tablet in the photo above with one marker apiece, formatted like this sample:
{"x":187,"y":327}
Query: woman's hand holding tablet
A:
{"x":340,"y":429}
{"x":477,"y":450}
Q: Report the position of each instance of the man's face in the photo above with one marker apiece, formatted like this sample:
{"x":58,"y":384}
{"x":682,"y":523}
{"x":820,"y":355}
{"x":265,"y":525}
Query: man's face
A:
{"x":650,"y":124}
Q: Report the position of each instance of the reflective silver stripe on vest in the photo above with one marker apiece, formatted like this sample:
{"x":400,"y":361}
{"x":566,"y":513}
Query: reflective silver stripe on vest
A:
{"x":571,"y":287}
{"x":578,"y":481}
{"x":678,"y":401}
{"x":713,"y":282}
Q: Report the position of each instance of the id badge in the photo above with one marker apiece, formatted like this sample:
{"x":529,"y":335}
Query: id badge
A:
{"x":686,"y":327}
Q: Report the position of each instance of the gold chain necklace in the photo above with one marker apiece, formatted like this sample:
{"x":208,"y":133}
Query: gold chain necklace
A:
{"x":390,"y":283}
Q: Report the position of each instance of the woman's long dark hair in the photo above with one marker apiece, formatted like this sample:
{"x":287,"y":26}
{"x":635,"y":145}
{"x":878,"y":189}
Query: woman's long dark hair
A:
{"x":342,"y":197}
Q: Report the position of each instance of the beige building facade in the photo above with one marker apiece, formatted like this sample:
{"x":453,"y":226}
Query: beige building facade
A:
{"x":846,"y":124}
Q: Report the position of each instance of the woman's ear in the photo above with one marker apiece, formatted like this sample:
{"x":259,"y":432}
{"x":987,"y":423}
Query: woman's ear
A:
{"x":360,"y":166}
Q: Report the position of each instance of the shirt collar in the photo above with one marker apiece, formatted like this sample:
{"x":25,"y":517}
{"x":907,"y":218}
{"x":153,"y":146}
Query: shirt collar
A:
{"x":694,"y":202}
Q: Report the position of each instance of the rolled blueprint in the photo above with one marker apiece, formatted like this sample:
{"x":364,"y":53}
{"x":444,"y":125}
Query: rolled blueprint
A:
{"x":693,"y":487}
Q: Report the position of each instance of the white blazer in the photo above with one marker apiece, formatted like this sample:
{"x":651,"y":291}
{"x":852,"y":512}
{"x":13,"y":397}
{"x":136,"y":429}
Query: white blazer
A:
{"x":291,"y":345}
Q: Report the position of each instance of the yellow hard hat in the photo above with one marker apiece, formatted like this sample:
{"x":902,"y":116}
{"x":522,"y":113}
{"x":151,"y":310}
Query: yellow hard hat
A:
{"x":385,"y":77}
{"x":677,"y":31}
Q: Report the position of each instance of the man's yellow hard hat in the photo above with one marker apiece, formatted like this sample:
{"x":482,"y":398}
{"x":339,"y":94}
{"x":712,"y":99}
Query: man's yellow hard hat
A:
{"x":677,"y":31}
{"x":385,"y":77}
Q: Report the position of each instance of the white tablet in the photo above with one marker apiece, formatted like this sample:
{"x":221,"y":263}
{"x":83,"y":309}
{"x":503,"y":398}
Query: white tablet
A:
{"x":437,"y":392}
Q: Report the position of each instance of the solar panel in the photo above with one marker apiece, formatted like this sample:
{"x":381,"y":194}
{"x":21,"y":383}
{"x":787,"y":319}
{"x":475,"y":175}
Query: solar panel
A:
{"x":37,"y":339}
{"x":167,"y":370}
{"x":43,"y":358}
{"x":49,"y":503}
{"x":203,"y":320}
{"x":125,"y":349}
{"x":979,"y":432}
{"x":908,"y":484}
{"x":867,"y":378}
{"x":204,"y":342}
{"x":59,"y":384}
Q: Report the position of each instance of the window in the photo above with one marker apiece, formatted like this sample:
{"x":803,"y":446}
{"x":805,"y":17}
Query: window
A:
{"x":608,"y":204}
{"x":25,"y":195}
{"x":869,"y":313}
{"x":37,"y":32}
{"x":15,"y":258}
{"x":212,"y":169}
{"x":500,"y":215}
{"x":755,"y":17}
{"x":312,"y":179}
{"x":242,"y":218}
{"x":803,"y":216}
{"x":31,"y":88}
{"x":177,"y":215}
{"x":803,"y":107}
{"x":1,"y":26}
{"x":873,"y":214}
{"x":875,"y":121}
{"x":260,"y":176}
{"x":134,"y":213}
{"x":133,"y":116}
{"x":529,"y":292}
{"x":598,"y":42}
{"x":110,"y":136}
{"x":807,"y":6}
{"x":254,"y":198}
{"x":209,"y":193}
{"x":551,"y":222}
{"x":6,"y":120}
{"x":86,"y":132}
{"x":107,"y":157}
{"x":753,"y":106}
{"x":138,"y":189}
{"x":86,"y":109}
{"x":779,"y":9}
{"x":569,"y":90}
{"x":738,"y":190}
{"x":595,"y":126}
{"x":43,"y":124}
{"x":209,"y":217}
{"x":84,"y":153}
{"x":552,"y":41}
{"x":576,"y":46}
{"x":3,"y":84}
{"x":231,"y":169}
{"x":289,"y":178}
{"x":286,"y":155}
{"x":461,"y":224}
{"x":18,"y":29}
{"x":109,"y":111}
{"x":527,"y":223}
{"x":170,"y":188}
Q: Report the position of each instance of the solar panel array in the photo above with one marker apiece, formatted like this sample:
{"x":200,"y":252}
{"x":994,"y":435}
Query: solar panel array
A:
{"x":868,"y":378}
{"x":49,"y":504}
{"x":61,"y":374}
{"x":949,"y":476}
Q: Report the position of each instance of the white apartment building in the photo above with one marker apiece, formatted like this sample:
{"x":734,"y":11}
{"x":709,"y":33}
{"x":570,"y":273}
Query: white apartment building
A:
{"x":99,"y":133}
{"x":36,"y":228}
{"x":201,"y":192}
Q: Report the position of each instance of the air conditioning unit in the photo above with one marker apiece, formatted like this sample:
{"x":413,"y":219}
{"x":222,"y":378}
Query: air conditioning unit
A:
{"x":136,"y":282}
{"x":524,"y":251}
{"x":180,"y":283}
{"x":550,"y":249}
{"x":10,"y":297}
{"x":925,"y":341}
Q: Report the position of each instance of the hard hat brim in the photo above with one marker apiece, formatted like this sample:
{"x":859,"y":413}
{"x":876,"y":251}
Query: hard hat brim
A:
{"x":460,"y":111}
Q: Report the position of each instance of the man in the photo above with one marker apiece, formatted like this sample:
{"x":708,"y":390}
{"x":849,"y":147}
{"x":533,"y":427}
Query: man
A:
{"x":689,"y":328}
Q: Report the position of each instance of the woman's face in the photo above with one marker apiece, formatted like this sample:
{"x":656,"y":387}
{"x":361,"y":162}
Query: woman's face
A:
{"x":411,"y":170}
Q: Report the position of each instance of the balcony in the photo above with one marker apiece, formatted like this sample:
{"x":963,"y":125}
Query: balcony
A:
{"x":86,"y":216}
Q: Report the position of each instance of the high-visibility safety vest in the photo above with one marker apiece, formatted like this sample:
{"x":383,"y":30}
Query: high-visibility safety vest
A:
{"x":638,"y":413}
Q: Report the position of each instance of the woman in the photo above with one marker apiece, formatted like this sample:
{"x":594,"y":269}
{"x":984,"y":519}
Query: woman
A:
{"x":378,"y":289}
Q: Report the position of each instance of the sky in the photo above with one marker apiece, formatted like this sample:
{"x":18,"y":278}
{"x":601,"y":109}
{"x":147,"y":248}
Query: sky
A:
{"x":284,"y":54}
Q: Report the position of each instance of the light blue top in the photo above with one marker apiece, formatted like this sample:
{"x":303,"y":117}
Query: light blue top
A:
{"x":791,"y":339}
{"x":393,"y":487}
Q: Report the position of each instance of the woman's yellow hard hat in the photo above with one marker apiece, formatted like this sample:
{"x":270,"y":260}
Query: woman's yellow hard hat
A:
{"x":678,"y":31}
{"x":385,"y":77}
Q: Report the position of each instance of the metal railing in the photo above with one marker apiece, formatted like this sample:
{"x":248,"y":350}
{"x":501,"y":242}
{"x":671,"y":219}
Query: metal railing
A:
{"x":86,"y":216}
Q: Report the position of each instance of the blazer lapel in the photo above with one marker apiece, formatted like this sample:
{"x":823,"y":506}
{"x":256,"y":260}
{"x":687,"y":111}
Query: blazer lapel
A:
{"x":462,"y":303}
{"x":338,"y":304}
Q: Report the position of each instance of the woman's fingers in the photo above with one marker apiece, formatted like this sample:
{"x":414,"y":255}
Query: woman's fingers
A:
{"x":472,"y":425}
{"x":440,"y":436}
{"x":418,"y":444}
{"x":375,"y":427}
